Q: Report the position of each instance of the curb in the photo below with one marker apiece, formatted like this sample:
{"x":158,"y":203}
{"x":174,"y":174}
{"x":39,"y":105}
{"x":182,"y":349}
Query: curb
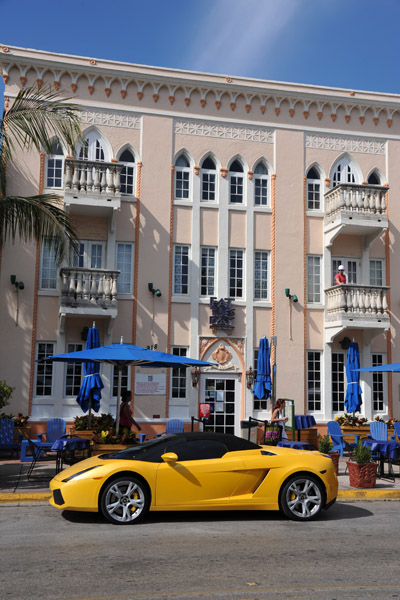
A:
{"x":27,"y":497}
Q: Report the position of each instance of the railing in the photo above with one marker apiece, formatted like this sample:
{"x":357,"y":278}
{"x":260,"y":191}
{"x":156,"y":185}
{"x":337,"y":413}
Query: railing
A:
{"x":357,"y":199}
{"x":362,"y":301}
{"x":92,"y":177}
{"x":82,"y":287}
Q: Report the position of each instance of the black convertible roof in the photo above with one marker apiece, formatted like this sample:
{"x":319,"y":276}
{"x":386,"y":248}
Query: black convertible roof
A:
{"x":232,"y":442}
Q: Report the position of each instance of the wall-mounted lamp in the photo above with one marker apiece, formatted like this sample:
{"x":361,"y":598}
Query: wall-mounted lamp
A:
{"x":153,"y":290}
{"x":291,"y":296}
{"x":195,"y":373}
{"x":19,"y":285}
{"x":250,"y":378}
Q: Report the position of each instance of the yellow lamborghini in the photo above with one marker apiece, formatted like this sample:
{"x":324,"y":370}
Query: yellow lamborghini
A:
{"x":198,"y":471}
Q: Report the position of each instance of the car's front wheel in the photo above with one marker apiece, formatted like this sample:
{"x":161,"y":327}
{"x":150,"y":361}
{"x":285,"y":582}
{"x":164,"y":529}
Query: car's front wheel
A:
{"x":125,"y":500}
{"x":302,"y":498}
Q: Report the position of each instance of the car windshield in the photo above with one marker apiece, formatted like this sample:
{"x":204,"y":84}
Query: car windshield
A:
{"x":141,"y":451}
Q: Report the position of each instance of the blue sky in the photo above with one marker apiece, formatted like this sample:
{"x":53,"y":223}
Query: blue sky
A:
{"x":342,"y":43}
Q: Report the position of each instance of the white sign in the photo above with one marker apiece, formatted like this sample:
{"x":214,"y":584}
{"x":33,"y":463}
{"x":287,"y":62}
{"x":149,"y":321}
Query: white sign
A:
{"x":151,"y":384}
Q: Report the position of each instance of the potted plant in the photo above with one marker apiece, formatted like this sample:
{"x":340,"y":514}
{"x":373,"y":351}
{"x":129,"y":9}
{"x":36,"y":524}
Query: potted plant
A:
{"x":325,"y":446}
{"x":350,"y":425}
{"x":5,"y":393}
{"x":362,"y":469}
{"x":103,"y":422}
{"x":108,"y":441}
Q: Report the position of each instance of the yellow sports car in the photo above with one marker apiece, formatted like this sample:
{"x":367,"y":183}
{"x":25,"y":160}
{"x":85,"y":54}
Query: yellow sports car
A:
{"x":198,"y":471}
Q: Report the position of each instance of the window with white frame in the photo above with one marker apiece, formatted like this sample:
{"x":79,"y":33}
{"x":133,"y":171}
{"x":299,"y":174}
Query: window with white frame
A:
{"x":261,"y":275}
{"x":124,"y":380}
{"x":313,"y":279}
{"x":179,"y":375}
{"x":338,"y":381}
{"x":55,"y":166}
{"x":350,"y":269}
{"x":313,"y":189}
{"x":236,"y":273}
{"x":376,"y":271}
{"x":181,"y":269}
{"x":93,"y":148}
{"x":44,"y":370}
{"x":127,"y":173}
{"x":208,"y":271}
{"x":378,"y":388}
{"x":90,"y":255}
{"x":236,"y":183}
{"x":258,"y":404}
{"x":314,"y":380}
{"x":48,"y":267}
{"x":260,"y":179}
{"x":182,"y":178}
{"x":73,"y":372}
{"x":124,"y":264}
{"x":208,"y":180}
{"x":343,"y":173}
{"x":374,"y":179}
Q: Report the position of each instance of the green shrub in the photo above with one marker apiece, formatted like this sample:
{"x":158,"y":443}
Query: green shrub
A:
{"x":325,"y":444}
{"x":362,"y":454}
{"x":5,"y":393}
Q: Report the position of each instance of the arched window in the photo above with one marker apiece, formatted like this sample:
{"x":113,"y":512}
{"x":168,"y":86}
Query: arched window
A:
{"x":343,"y":173}
{"x":55,"y":166}
{"x":236,"y":183}
{"x":93,"y":148}
{"x":374,"y":179}
{"x":208,"y":180}
{"x":260,"y":185}
{"x":313,"y":189}
{"x":182,"y":178}
{"x":127,"y":173}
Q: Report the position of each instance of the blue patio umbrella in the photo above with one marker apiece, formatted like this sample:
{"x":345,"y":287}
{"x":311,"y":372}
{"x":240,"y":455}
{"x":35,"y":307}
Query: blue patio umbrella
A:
{"x":391,"y":368}
{"x":262,"y":384}
{"x":90,"y":393}
{"x":121,"y":355}
{"x":353,"y":400}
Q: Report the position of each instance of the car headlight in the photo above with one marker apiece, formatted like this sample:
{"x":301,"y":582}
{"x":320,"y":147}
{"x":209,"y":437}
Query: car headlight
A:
{"x":79,"y":473}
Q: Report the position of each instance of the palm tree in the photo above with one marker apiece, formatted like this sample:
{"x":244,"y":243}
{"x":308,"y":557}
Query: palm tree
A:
{"x":34,"y":119}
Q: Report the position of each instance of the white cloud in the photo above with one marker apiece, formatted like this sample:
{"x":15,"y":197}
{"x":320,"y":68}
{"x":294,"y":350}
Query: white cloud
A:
{"x":238,"y":36}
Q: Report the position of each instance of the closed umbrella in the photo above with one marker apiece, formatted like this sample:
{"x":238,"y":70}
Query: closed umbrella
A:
{"x":90,"y":393}
{"x":353,"y":400}
{"x":121,"y":355}
{"x":262,"y":384}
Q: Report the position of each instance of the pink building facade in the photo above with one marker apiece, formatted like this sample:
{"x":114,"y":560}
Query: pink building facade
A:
{"x":193,"y":187}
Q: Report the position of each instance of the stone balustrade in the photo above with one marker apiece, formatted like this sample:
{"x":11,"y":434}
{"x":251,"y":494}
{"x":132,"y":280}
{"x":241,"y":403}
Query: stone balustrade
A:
{"x":357,"y":302}
{"x":360,"y":200}
{"x":91,"y":177}
{"x":86,"y":287}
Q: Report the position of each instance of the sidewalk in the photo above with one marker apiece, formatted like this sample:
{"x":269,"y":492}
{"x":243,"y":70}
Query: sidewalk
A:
{"x":16,"y":488}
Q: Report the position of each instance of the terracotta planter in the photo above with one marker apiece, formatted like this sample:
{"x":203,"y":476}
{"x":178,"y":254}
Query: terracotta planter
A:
{"x":335,"y":459}
{"x":362,"y":475}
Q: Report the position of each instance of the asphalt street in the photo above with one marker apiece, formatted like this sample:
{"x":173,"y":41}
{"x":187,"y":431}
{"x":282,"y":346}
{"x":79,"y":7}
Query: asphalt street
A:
{"x":351,"y":552}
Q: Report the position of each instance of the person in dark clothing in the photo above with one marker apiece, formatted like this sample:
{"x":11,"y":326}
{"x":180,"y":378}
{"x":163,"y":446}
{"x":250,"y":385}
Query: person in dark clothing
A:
{"x":125,"y":412}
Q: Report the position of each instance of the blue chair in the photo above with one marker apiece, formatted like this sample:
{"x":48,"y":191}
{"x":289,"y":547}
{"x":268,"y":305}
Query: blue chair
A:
{"x":396,"y":431}
{"x":378,"y":430}
{"x":173,"y":426}
{"x":55,"y":429}
{"x":7,"y":443}
{"x":338,"y":441}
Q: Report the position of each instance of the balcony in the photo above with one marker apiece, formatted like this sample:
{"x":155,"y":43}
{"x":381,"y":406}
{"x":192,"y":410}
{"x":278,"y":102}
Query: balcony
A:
{"x":92,"y":188}
{"x":356,"y":307}
{"x":355,"y":210}
{"x":91,"y":292}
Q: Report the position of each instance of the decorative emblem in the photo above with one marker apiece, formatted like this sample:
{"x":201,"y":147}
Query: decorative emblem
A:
{"x":222,"y":314}
{"x":221,"y":355}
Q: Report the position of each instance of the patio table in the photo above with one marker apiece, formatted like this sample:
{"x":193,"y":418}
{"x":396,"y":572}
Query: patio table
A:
{"x":294,"y":444}
{"x":386,"y":450}
{"x":71,"y":448}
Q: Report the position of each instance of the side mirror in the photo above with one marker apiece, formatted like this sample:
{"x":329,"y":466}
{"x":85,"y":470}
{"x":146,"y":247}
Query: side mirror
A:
{"x":169,"y":457}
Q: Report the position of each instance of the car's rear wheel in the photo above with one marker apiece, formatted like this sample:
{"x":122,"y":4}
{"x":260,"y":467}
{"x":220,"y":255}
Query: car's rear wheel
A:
{"x":302,"y":498}
{"x":125,"y":500}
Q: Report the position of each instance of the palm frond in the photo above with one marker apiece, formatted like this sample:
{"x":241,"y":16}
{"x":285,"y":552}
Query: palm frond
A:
{"x":37,"y":217}
{"x":35,"y":117}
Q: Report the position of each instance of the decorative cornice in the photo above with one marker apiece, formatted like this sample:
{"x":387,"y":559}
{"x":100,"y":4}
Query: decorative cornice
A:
{"x":322,"y":142}
{"x":205,"y":129}
{"x":110,"y":119}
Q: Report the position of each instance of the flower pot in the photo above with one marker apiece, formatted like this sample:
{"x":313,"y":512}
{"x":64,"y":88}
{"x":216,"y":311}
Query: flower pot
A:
{"x":87,"y":434}
{"x":362,"y":475}
{"x":335,"y":459}
{"x":107,"y":448}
